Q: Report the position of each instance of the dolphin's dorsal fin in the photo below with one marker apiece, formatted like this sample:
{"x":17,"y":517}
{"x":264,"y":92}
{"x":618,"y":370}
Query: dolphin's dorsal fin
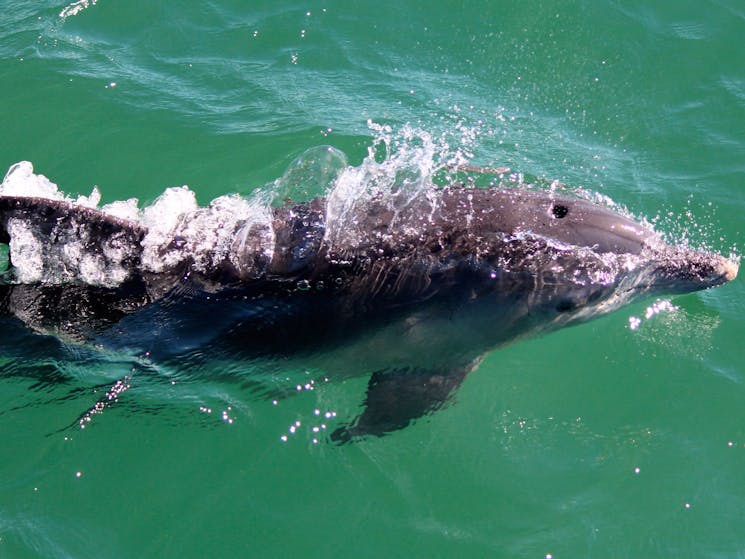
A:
{"x":61,"y":241}
{"x":47,"y":212}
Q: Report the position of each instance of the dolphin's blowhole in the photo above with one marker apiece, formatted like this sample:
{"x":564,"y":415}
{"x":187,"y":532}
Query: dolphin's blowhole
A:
{"x":559,"y":211}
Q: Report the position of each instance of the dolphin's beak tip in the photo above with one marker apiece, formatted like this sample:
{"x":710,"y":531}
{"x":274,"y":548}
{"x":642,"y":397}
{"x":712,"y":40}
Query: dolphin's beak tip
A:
{"x":730,"y":269}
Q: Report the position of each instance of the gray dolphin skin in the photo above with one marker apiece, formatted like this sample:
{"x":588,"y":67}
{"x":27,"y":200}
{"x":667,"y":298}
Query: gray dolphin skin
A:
{"x":411,"y":291}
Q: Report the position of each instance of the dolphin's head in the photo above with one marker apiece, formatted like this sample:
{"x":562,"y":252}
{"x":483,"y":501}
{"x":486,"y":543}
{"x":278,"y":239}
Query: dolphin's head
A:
{"x":566,"y":222}
{"x":568,"y":259}
{"x":571,"y":221}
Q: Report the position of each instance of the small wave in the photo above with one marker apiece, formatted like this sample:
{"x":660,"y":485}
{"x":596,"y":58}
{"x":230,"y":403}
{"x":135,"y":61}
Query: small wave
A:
{"x":690,"y":30}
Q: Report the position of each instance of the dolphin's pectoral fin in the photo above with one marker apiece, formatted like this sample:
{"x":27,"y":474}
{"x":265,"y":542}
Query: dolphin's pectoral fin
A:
{"x":396,"y":397}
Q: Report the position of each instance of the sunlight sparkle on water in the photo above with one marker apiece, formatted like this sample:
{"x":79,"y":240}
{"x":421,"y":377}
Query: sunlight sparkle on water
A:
{"x":225,"y":417}
{"x":660,"y":306}
{"x":296,"y":427}
{"x":110,"y":397}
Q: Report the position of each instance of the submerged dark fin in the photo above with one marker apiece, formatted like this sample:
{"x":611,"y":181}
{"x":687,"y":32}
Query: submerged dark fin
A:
{"x":397,"y":397}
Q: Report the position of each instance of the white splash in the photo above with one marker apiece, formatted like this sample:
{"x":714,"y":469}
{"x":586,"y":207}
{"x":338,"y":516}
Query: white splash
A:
{"x":178,"y":231}
{"x":34,"y":259}
{"x":400,"y":167}
{"x":123,"y":209}
{"x":20,"y":180}
{"x":76,"y":7}
{"x":27,"y":252}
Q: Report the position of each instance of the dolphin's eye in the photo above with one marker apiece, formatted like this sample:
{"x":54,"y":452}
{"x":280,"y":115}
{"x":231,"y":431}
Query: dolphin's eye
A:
{"x":559,"y":211}
{"x":565,"y":305}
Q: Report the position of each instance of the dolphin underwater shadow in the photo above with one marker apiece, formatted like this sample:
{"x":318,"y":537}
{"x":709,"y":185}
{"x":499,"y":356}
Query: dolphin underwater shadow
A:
{"x":412,"y":290}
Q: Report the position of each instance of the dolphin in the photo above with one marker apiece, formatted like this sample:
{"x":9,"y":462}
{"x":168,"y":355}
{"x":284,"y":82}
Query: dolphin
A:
{"x":413,"y":290}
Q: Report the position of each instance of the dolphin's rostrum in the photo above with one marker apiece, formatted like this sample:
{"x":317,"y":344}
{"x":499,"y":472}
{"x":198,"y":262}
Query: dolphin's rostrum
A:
{"x":439,"y":279}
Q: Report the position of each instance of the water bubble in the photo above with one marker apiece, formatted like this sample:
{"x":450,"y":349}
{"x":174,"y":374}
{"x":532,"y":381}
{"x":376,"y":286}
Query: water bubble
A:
{"x":312,"y":174}
{"x":303,"y":285}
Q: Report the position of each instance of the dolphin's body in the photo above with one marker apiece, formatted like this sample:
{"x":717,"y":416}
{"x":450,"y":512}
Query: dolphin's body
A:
{"x":418,"y":289}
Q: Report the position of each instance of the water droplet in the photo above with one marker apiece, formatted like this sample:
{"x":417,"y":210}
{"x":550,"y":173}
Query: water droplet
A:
{"x":303,"y":285}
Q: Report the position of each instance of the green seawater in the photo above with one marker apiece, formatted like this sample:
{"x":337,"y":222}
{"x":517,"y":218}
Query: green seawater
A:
{"x":599,"y":440}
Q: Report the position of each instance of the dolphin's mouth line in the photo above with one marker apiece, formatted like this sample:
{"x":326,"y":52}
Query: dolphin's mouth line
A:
{"x":726,"y":271}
